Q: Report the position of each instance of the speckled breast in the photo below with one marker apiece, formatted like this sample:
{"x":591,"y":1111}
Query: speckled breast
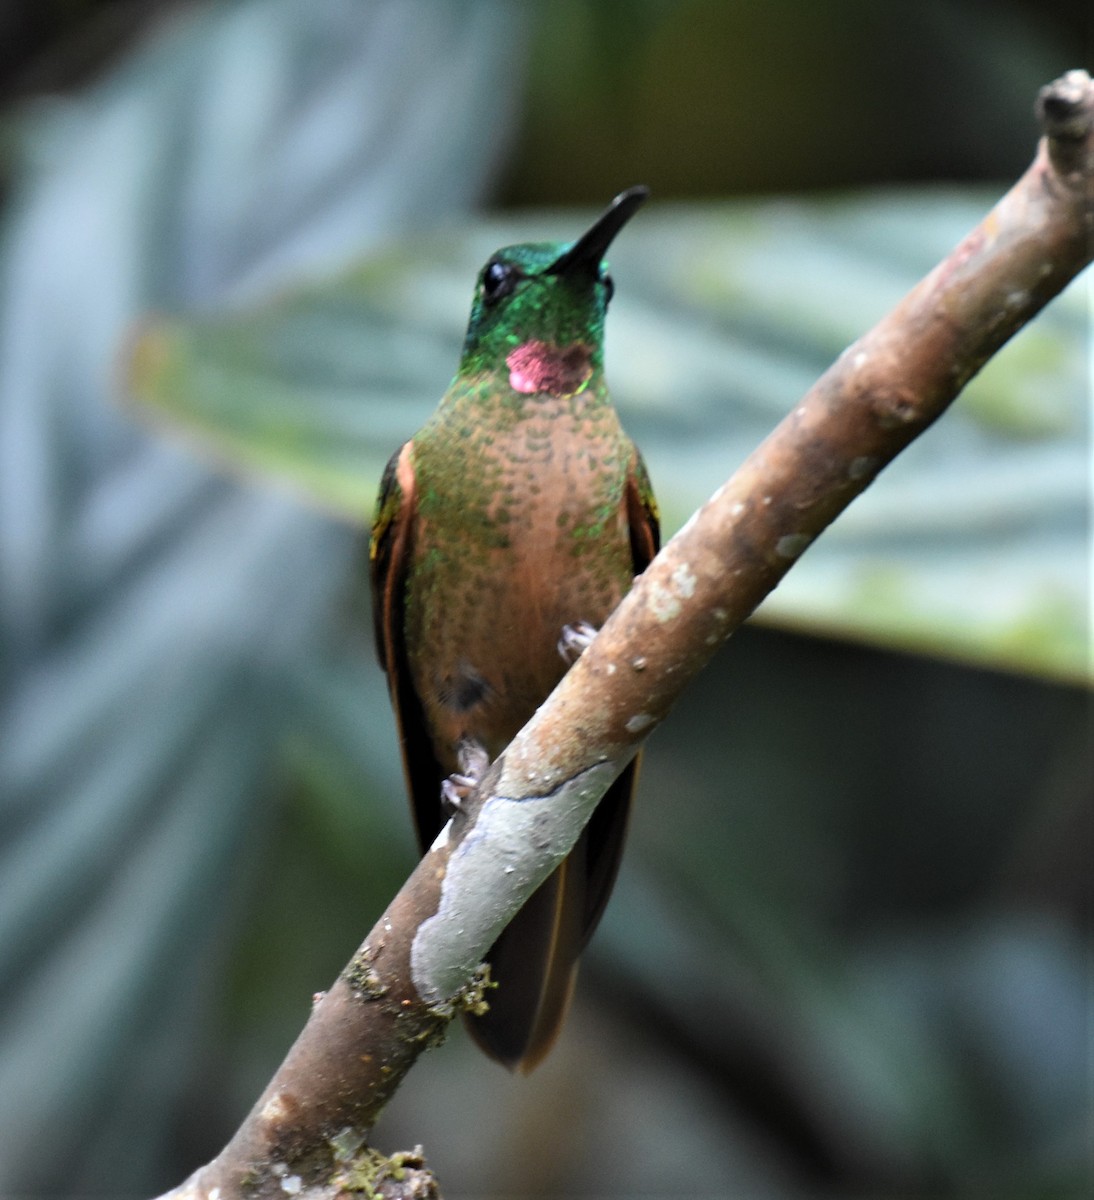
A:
{"x":521,"y":531}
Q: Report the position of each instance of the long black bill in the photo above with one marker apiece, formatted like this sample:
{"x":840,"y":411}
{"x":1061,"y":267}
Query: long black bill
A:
{"x":586,"y":254}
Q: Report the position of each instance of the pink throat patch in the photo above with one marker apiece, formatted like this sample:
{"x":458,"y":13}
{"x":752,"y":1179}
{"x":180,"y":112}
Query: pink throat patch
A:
{"x":543,"y":367}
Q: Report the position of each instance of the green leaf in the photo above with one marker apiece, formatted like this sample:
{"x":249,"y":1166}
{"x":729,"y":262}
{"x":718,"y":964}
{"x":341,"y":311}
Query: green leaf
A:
{"x":970,"y":546}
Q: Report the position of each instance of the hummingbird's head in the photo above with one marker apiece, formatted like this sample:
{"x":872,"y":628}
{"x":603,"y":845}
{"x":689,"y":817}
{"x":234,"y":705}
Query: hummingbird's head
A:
{"x":539,"y":307}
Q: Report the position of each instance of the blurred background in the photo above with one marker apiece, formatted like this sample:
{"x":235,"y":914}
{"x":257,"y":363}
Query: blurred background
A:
{"x":849,"y":952}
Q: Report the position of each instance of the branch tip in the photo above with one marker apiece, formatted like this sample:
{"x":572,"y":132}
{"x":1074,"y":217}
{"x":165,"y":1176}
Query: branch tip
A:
{"x":1065,"y":107}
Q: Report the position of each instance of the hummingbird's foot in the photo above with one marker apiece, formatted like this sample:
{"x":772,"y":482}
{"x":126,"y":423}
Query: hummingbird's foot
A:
{"x":575,"y":640}
{"x":473,"y":761}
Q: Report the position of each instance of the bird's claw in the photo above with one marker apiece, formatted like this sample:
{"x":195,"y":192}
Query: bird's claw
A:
{"x":473,"y":761}
{"x":575,"y":640}
{"x":454,"y":791}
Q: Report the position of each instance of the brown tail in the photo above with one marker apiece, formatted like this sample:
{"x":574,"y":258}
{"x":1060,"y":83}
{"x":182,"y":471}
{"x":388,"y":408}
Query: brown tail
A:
{"x":534,"y":961}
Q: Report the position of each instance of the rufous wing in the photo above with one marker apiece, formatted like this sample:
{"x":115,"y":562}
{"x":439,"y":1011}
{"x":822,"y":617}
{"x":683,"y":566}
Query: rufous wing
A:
{"x":391,"y":548}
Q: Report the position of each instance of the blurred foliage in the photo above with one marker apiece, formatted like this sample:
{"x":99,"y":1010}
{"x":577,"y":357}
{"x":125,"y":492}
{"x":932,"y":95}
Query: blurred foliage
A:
{"x":972,"y":544}
{"x":157,"y":623}
{"x":848,"y":955}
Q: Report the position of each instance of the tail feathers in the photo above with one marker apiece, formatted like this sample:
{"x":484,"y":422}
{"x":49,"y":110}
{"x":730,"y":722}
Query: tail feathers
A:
{"x":534,"y":962}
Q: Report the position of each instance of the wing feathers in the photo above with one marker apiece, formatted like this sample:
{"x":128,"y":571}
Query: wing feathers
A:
{"x":390,"y":552}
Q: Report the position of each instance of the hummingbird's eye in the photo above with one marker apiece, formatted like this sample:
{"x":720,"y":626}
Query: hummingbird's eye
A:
{"x":498,"y":280}
{"x":609,"y":287}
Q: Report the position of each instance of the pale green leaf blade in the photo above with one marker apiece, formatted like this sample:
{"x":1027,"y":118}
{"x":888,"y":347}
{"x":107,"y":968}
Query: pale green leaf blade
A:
{"x":970,"y":546}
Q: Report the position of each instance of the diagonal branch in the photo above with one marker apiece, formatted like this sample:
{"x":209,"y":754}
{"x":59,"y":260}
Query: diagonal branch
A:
{"x":419,"y":964}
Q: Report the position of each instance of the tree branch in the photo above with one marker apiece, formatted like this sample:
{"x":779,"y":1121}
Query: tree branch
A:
{"x":419,"y":965}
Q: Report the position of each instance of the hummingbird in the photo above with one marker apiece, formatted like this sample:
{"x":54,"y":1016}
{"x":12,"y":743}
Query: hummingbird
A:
{"x":507,"y":529}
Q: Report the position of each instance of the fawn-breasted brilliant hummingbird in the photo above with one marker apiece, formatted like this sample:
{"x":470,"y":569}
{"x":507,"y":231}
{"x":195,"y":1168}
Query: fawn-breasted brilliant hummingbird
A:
{"x":507,"y":530}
